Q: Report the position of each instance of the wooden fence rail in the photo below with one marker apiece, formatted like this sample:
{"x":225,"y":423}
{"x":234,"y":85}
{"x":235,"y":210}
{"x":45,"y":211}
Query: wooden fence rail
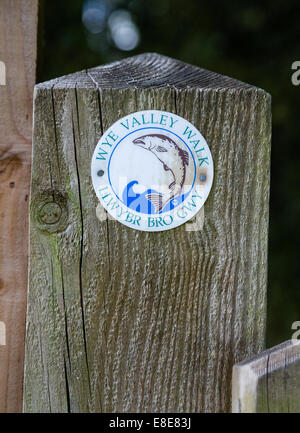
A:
{"x":122,"y":320}
{"x":268,"y":382}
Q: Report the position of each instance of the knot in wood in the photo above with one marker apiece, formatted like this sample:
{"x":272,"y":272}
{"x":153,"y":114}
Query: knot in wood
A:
{"x":50,"y":213}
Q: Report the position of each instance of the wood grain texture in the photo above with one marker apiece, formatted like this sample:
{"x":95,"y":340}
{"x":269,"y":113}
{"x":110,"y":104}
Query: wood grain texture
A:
{"x":18,"y":27}
{"x":268,"y":382}
{"x":123,"y":320}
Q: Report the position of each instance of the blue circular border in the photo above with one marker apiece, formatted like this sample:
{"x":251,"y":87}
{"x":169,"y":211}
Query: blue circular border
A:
{"x":140,"y":129}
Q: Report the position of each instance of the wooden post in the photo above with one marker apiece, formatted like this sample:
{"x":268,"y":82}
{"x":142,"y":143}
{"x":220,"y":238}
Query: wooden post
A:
{"x":18,"y":28}
{"x":268,"y":382}
{"x":122,"y":320}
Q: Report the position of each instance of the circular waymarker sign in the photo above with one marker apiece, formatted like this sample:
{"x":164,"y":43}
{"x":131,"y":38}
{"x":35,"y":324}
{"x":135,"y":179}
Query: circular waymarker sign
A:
{"x":152,"y":170}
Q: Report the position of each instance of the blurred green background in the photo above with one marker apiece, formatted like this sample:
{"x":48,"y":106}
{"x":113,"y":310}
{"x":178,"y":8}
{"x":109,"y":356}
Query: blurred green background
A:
{"x":253,"y":41}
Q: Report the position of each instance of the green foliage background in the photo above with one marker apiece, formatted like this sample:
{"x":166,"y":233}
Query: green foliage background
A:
{"x":253,"y":41}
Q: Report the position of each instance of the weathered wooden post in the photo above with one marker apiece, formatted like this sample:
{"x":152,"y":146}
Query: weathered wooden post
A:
{"x":127,"y":320}
{"x":268,"y":382}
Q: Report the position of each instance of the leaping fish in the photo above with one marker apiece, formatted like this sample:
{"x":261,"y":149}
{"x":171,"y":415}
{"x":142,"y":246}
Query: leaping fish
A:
{"x":166,"y":150}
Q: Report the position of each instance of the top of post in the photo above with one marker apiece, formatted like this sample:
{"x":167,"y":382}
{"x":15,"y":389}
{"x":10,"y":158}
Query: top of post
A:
{"x":149,"y":70}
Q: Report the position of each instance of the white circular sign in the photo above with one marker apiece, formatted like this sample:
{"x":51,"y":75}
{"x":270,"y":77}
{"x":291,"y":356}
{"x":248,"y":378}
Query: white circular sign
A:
{"x":152,"y":170}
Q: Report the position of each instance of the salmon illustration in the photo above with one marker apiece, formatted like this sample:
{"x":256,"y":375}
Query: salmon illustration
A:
{"x":173,"y":158}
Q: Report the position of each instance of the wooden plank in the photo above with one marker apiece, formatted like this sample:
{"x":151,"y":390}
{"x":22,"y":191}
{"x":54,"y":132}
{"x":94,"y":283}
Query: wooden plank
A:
{"x":268,"y":382}
{"x":121,"y":320}
{"x":18,"y":27}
